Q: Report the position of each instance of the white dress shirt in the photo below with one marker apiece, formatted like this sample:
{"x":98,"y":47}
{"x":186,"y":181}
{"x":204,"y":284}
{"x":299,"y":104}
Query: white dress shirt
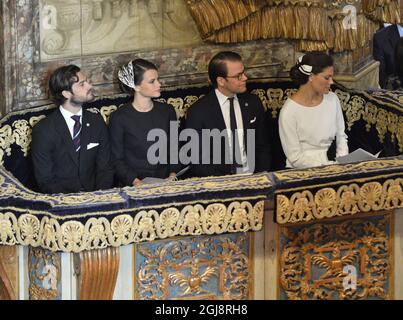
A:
{"x":70,"y":122}
{"x":225,"y":106}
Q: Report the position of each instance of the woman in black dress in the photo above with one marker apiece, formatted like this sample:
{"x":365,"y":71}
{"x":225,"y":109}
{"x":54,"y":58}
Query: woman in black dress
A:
{"x":134,"y":157}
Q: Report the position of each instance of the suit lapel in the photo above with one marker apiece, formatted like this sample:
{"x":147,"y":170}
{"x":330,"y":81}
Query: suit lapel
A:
{"x":215,"y":112}
{"x":63,"y":130}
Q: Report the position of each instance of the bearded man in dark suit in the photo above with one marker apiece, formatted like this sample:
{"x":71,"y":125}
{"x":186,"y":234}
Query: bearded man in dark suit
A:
{"x":238,"y":116}
{"x":70,"y":148}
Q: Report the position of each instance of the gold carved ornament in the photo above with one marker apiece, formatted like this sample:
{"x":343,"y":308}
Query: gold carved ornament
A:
{"x":357,"y":108}
{"x":181,"y":105}
{"x":315,"y":260}
{"x":99,"y":233}
{"x":347,"y":200}
{"x":105,"y":111}
{"x":191,"y":270}
{"x":6,"y":140}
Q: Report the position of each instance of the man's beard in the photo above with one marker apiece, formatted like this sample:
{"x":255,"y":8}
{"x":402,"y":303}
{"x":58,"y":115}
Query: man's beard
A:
{"x":80,"y":101}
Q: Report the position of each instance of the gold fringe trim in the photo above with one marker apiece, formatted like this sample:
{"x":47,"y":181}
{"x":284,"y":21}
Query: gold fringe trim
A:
{"x":213,"y":15}
{"x":99,"y":233}
{"x":347,"y":200}
{"x":317,"y":25}
{"x":382,"y":10}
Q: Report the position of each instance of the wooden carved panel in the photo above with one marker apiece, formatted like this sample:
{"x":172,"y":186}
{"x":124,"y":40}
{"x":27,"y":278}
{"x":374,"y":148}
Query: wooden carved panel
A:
{"x":347,"y":259}
{"x":8,"y":273}
{"x":215,"y":267}
{"x":97,"y":272}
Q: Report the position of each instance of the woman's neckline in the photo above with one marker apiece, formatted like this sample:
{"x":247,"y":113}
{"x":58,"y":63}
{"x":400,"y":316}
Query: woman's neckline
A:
{"x":310,"y":107}
{"x":136,"y":108}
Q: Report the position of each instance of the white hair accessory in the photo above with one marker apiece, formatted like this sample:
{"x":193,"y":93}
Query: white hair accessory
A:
{"x":304,"y":68}
{"x":126,"y":75}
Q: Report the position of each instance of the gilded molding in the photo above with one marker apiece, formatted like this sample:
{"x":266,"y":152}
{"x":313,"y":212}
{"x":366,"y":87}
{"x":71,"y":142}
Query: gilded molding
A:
{"x":15,"y":189}
{"x":315,"y":258}
{"x":335,"y":171}
{"x":99,"y":233}
{"x":242,"y":181}
{"x":347,"y":200}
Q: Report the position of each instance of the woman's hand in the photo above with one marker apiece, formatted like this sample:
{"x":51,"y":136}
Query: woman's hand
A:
{"x":172,"y":177}
{"x":136,"y":182}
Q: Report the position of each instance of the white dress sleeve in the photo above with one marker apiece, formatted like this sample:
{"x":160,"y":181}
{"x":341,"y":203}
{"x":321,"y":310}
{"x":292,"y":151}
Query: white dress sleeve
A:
{"x":296,"y":156}
{"x":341,"y":137}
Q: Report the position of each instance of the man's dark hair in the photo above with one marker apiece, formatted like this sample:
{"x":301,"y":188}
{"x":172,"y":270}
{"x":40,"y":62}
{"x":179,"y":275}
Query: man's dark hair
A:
{"x":218,"y":67}
{"x":62,"y":79}
{"x":317,"y":60}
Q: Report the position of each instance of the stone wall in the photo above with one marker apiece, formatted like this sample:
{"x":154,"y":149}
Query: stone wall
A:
{"x":28,"y":62}
{"x":37,"y":36}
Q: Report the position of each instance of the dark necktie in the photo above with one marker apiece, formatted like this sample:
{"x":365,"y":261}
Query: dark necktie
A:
{"x":236,"y":152}
{"x":76,"y":132}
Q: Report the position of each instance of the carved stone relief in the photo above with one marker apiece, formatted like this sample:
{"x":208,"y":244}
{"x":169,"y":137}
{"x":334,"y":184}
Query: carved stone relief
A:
{"x":88,"y":27}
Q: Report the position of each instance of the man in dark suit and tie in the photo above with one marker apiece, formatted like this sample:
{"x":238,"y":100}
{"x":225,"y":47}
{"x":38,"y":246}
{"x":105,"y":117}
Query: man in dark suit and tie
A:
{"x":384,"y":51}
{"x":70,"y":148}
{"x":239,"y":118}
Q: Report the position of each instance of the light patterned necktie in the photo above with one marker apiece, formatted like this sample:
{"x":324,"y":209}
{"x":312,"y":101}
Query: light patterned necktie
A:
{"x":76,"y":132}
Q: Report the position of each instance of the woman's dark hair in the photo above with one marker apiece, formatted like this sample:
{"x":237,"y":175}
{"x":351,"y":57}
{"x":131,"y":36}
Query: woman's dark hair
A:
{"x":218,"y":67}
{"x":399,"y":58}
{"x":62,"y":79}
{"x":317,"y":60}
{"x":140,"y":66}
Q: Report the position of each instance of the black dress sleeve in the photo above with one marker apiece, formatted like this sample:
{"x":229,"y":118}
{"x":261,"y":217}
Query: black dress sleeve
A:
{"x":124,"y":172}
{"x":173,"y":167}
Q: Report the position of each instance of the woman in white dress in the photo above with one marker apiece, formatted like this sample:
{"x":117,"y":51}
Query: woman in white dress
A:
{"x":312,"y":118}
